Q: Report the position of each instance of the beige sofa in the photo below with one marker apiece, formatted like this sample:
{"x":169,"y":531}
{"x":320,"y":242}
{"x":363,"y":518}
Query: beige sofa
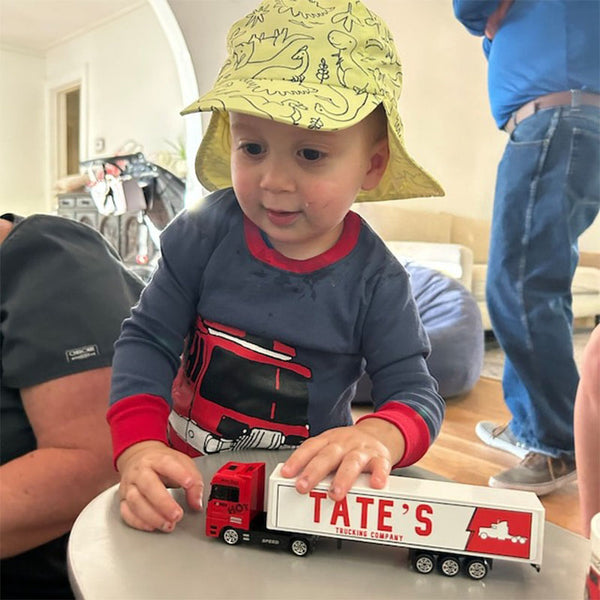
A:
{"x":458,"y":246}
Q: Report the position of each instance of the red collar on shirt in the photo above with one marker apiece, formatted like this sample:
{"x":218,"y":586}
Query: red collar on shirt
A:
{"x":346,"y":242}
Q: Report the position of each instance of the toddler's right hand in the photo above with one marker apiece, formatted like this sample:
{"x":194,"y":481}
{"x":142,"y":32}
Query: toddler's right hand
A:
{"x":146,"y":469}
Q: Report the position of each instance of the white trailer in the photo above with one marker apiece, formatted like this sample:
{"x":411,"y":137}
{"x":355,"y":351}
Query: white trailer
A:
{"x":447,"y":524}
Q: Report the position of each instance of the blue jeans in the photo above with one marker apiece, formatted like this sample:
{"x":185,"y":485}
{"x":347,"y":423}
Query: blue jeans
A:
{"x":547,"y":194}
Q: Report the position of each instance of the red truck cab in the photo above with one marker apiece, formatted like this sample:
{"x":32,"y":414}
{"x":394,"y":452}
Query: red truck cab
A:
{"x":236,"y":510}
{"x":236,"y":497}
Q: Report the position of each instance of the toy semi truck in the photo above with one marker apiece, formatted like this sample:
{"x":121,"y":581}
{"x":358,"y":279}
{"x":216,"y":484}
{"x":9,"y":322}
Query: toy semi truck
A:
{"x":450,"y":526}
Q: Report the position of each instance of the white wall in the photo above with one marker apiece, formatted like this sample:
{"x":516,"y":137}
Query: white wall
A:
{"x":449,"y":129}
{"x":133,"y":89}
{"x":133,"y":93}
{"x":204,"y":24}
{"x":22,"y":162}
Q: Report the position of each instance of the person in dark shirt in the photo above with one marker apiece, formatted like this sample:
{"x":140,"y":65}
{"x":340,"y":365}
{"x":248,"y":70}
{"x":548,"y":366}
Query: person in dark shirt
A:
{"x":63,"y":295}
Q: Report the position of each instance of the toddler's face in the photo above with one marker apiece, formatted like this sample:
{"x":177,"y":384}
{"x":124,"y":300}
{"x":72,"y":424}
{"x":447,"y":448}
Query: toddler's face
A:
{"x":297,"y":185}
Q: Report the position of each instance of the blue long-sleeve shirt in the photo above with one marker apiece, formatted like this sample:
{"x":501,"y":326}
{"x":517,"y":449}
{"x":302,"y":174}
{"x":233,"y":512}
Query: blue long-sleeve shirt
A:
{"x":542,"y":46}
{"x":274,"y":346}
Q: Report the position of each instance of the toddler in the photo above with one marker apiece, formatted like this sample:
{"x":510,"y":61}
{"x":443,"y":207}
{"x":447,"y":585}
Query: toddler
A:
{"x":272,"y":297}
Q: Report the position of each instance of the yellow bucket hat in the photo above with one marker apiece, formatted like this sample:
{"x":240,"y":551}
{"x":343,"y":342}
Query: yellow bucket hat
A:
{"x":317,"y":64}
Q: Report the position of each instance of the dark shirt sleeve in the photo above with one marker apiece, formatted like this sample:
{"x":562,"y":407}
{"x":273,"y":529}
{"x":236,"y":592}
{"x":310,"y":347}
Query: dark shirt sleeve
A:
{"x":65,"y":293}
{"x":395,"y":345}
{"x":147,"y":354}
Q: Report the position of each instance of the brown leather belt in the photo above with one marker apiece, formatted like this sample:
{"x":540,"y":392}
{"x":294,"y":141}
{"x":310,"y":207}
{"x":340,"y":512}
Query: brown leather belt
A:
{"x":571,"y":98}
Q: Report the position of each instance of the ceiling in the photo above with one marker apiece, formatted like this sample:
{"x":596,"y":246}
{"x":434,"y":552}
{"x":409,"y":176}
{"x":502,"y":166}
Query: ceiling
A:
{"x":37,"y":25}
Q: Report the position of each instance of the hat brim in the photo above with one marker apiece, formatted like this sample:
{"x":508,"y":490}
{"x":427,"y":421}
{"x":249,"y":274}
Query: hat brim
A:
{"x":313,"y":106}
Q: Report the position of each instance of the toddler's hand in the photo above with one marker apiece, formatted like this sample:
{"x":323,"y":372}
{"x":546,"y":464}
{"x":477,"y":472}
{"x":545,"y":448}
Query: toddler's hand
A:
{"x":147,"y":468}
{"x":373,"y":445}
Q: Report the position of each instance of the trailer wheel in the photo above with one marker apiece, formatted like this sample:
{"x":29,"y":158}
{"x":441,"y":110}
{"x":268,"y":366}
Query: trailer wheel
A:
{"x":477,"y":568}
{"x":449,"y":566}
{"x":423,"y":563}
{"x":231,"y":536}
{"x":299,"y":546}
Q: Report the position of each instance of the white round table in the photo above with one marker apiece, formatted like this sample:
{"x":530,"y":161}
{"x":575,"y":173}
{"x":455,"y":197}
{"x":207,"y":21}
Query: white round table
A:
{"x":109,"y":560}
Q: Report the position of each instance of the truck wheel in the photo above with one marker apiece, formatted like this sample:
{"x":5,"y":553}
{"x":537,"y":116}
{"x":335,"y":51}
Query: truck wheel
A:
{"x":299,"y":546}
{"x":477,"y":568}
{"x":231,"y":536}
{"x":483,"y":535}
{"x":449,"y":566}
{"x":423,"y":563}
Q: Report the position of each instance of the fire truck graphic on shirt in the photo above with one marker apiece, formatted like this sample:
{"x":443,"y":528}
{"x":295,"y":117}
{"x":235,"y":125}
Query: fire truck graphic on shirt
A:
{"x":235,"y":391}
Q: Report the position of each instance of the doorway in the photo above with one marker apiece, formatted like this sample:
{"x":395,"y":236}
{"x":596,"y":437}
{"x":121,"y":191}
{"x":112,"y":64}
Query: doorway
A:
{"x":68,"y":119}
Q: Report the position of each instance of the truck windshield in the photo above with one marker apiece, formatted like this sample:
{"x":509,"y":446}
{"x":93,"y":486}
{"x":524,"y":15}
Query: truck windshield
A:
{"x":225,"y":493}
{"x":256,"y":389}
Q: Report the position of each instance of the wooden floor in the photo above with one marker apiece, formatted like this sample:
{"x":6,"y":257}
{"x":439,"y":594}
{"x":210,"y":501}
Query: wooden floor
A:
{"x":459,"y":454}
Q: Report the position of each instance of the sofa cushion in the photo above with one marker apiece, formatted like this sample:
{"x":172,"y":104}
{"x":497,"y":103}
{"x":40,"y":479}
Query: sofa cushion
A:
{"x":586,"y":280}
{"x":392,"y":222}
{"x":479,"y":273}
{"x":473,"y":233}
{"x":452,"y":260}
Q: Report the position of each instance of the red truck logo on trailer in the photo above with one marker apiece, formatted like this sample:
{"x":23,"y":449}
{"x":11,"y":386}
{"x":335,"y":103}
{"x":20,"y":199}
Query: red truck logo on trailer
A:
{"x":235,"y":391}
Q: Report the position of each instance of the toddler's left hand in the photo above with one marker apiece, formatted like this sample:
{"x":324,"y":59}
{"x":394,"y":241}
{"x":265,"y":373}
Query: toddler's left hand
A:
{"x":373,"y":445}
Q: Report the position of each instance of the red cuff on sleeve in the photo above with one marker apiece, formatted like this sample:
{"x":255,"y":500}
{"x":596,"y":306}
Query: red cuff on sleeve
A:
{"x":137,"y":419}
{"x":411,"y":425}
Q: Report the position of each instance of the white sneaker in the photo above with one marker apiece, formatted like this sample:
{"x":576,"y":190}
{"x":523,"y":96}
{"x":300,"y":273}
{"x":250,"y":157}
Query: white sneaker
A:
{"x":501,"y":437}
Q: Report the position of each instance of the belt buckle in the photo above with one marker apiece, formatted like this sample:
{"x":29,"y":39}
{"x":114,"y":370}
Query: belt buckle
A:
{"x":575,"y":98}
